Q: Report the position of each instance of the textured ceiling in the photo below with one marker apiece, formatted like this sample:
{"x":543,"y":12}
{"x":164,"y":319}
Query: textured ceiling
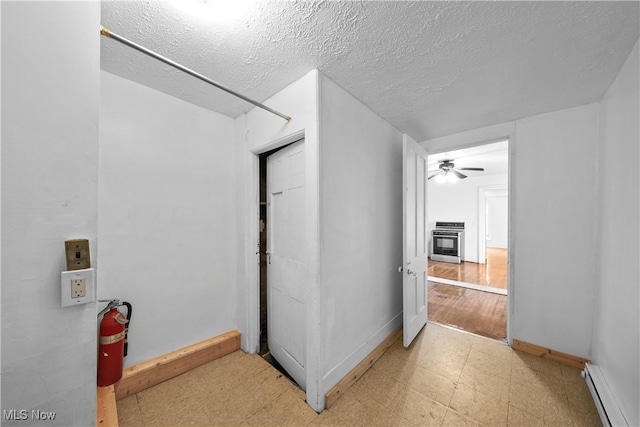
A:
{"x":429,"y":68}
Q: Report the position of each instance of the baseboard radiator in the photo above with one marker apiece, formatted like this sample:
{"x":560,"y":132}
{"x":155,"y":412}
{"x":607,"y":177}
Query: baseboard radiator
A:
{"x":608,"y":408}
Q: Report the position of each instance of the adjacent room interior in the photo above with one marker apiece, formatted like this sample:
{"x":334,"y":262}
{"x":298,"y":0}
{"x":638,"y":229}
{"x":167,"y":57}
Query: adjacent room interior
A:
{"x":469,"y":238}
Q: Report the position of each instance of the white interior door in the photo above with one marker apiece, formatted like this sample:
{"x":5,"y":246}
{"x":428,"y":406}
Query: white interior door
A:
{"x":286,"y":263}
{"x":497,"y":220}
{"x":414,"y":252}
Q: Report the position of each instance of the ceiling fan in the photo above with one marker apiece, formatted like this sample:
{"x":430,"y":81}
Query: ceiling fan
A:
{"x":447,"y":169}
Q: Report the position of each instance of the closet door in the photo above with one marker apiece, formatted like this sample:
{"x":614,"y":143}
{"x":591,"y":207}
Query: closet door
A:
{"x":286,"y":263}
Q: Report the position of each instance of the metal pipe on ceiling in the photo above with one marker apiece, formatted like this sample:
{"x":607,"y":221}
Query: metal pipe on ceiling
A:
{"x":105,"y":32}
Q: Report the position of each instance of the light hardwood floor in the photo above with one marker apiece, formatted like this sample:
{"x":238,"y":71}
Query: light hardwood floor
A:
{"x":493,"y":273}
{"x":479,"y":312}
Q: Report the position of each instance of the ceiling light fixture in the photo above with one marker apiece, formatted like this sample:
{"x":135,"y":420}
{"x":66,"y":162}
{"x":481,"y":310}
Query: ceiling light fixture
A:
{"x":217,"y":10}
{"x":445,"y":176}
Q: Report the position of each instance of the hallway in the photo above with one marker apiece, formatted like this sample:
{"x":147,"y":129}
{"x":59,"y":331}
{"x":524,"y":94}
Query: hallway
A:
{"x":446,"y":377}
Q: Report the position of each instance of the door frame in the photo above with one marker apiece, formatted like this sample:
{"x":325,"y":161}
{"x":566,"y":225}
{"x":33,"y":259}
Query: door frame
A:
{"x":485,"y":136}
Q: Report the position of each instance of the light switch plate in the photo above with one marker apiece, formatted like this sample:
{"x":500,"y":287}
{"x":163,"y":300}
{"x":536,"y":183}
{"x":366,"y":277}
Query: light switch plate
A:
{"x":77,"y":251}
{"x":70,"y":280}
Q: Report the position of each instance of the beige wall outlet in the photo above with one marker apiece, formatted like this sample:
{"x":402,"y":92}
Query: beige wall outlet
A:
{"x":78,"y":287}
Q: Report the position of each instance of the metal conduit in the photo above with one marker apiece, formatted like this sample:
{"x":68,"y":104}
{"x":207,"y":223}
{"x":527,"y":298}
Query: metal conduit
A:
{"x":105,"y":32}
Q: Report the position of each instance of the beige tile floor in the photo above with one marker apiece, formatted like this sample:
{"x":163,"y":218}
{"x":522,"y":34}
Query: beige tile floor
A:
{"x":446,"y":378}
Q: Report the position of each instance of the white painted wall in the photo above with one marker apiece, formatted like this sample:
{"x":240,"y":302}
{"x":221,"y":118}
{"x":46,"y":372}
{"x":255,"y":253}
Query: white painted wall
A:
{"x":458,"y":201}
{"x":50,"y":90}
{"x":551,"y":293}
{"x":360,"y":229}
{"x":167,"y":217}
{"x":256,"y":132}
{"x":555,"y":229}
{"x":617,"y":324}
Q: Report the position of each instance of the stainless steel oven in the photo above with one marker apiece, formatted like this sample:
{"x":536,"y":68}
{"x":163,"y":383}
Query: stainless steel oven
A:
{"x":447,"y":242}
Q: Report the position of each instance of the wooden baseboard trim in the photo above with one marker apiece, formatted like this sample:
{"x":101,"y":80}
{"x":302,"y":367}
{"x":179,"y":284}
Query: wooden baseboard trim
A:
{"x":343,"y":385}
{"x":151,"y":372}
{"x":536,"y":350}
{"x":106,"y":409}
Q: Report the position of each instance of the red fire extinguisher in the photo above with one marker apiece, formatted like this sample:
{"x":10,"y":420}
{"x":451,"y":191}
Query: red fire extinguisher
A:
{"x":112,"y":345}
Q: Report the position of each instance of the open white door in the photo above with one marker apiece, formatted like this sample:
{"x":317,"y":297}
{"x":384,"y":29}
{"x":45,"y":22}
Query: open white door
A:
{"x":414,"y":242}
{"x":286,"y":260}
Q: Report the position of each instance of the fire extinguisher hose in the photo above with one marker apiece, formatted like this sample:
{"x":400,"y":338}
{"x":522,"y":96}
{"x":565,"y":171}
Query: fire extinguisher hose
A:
{"x":126,"y":328}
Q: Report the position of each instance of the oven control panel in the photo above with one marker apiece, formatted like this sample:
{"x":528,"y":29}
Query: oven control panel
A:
{"x":450,"y":225}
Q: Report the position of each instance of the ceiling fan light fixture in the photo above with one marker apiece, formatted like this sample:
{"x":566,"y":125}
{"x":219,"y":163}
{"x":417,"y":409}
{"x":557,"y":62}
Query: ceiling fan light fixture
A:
{"x":447,"y":171}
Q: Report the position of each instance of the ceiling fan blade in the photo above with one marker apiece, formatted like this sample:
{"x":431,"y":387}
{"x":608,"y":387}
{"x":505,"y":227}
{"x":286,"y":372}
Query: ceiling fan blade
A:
{"x":435,"y":174}
{"x":471,"y":169}
{"x":458,"y":174}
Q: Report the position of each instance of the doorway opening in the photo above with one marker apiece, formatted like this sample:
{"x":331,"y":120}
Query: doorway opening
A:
{"x":471,"y":293}
{"x":265,"y":260}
